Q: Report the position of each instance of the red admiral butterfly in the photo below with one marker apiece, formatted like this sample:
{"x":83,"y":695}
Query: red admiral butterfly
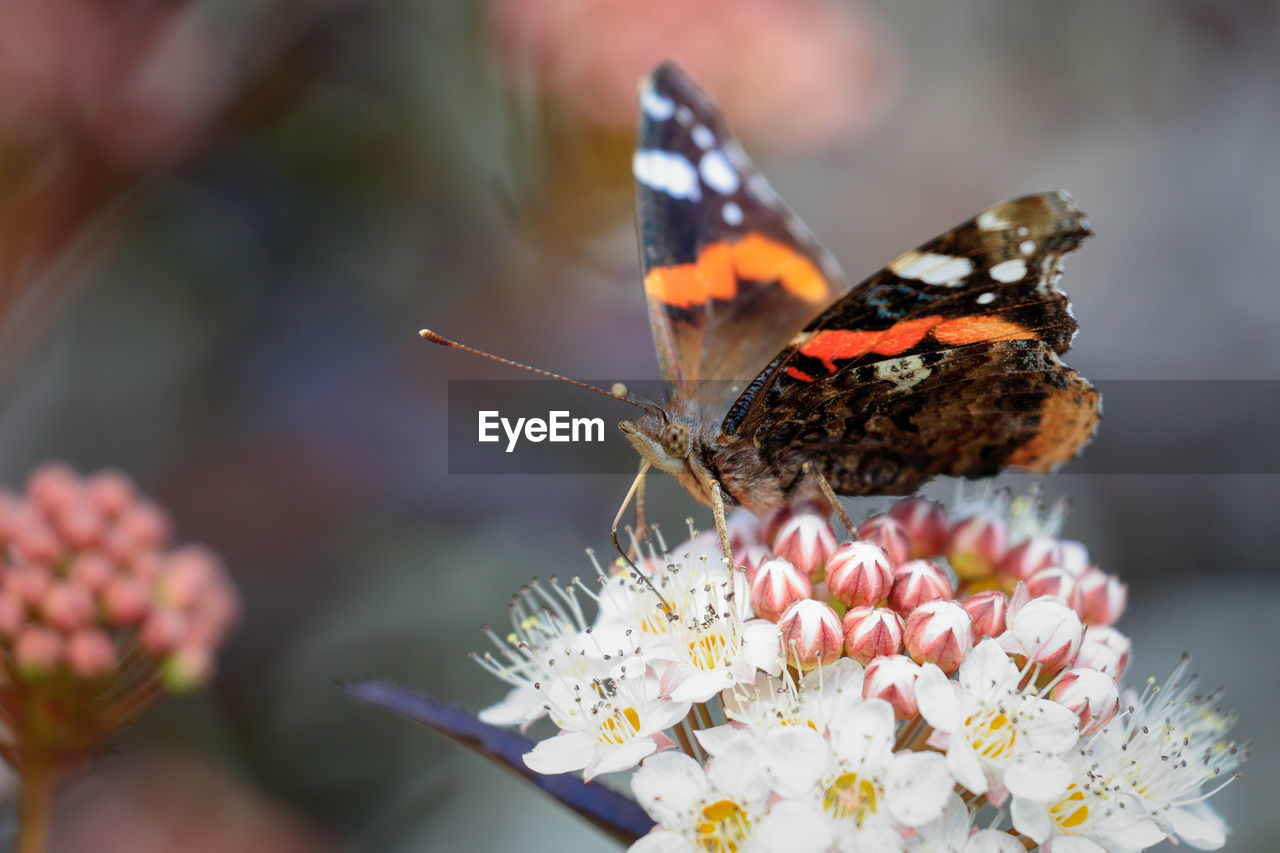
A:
{"x":944,"y":362}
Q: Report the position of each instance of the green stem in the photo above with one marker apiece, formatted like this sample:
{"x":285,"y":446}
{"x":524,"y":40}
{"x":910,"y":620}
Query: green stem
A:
{"x":38,"y":778}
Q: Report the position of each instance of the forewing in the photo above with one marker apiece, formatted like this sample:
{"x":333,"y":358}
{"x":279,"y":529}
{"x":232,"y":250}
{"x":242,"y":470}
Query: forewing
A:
{"x":730,"y":274}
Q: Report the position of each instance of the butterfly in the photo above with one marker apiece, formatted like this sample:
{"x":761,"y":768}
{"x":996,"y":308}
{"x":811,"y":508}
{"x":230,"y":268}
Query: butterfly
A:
{"x":777,"y":373}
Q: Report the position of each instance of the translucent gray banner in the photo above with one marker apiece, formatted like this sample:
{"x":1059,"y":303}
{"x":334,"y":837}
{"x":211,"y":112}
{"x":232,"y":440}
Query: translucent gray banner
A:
{"x":1186,"y":427}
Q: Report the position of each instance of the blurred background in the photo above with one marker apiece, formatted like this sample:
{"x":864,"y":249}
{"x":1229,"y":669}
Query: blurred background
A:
{"x":222,"y":224}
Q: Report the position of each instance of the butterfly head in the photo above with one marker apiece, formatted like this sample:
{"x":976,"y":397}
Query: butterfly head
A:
{"x":669,"y":443}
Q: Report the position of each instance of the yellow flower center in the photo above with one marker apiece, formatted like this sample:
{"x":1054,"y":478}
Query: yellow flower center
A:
{"x":1071,"y":811}
{"x":723,"y":828}
{"x":990,"y":734}
{"x":620,"y":727}
{"x":850,"y":797}
{"x":706,"y":651}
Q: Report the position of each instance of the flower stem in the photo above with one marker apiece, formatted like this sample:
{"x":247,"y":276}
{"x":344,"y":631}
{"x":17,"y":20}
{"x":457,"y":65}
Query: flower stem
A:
{"x":38,"y":778}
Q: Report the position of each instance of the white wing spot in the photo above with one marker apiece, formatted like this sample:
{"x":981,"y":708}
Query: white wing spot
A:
{"x":986,"y":299}
{"x":904,"y":373}
{"x":702,"y":136}
{"x":732,"y":213}
{"x":1027,"y":247}
{"x":931,"y":268}
{"x":666,"y":172}
{"x":717,"y":173}
{"x":655,"y":106}
{"x":989,"y":220}
{"x":1023,"y":230}
{"x":684,"y":115}
{"x":1008,"y":271}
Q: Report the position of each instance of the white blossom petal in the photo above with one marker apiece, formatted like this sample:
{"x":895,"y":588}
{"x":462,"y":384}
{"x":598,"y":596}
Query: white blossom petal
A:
{"x":1199,"y":825}
{"x":564,"y":753}
{"x":1038,"y":778}
{"x":796,"y":826}
{"x":667,"y":785}
{"x":936,"y":698}
{"x":965,"y":767}
{"x":795,"y":759}
{"x":993,"y":841}
{"x":662,"y":841}
{"x":917,"y":787}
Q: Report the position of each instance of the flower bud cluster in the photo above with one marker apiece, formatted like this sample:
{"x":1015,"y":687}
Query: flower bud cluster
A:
{"x":95,"y":601}
{"x":869,"y":692}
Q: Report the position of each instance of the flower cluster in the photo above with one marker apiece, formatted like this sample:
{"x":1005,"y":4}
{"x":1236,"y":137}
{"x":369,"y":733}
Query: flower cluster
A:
{"x":943,"y":680}
{"x":98,"y":612}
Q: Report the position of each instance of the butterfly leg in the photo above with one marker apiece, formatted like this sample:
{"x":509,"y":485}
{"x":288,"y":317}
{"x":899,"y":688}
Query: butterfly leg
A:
{"x":722,"y":526}
{"x":641,"y":529}
{"x":613,"y":532}
{"x":830,"y":494}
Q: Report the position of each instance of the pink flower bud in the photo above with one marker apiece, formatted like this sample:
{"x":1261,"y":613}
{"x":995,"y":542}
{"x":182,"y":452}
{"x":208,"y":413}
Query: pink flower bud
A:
{"x":91,"y":571}
{"x":1075,"y":557}
{"x":189,"y":572}
{"x":141,"y":527}
{"x":37,"y":650}
{"x":67,"y":606}
{"x":939,"y":632}
{"x":808,"y":542}
{"x":32,"y":539}
{"x":125,"y":600}
{"x":858,"y":573}
{"x":811,"y":635}
{"x":1102,"y":597}
{"x":744,"y":529}
{"x":1028,"y":557}
{"x":976,"y":546}
{"x":915,"y":582}
{"x":162,"y":631}
{"x":889,"y":535}
{"x":1091,"y":695}
{"x":79,"y":523}
{"x":13,"y":614}
{"x":1104,"y":649}
{"x":775,"y":586}
{"x":926,"y":524}
{"x":1045,"y":632}
{"x":28,"y":582}
{"x":110,"y":491}
{"x":988,"y":610}
{"x":52,"y":486}
{"x":872,"y":632}
{"x":893,"y":679}
{"x":90,"y":653}
{"x":751,"y":557}
{"x":1054,"y":580}
{"x":773,"y":523}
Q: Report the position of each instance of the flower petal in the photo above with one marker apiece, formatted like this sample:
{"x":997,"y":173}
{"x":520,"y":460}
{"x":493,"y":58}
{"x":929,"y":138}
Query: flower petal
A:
{"x":668,"y":785}
{"x":1039,"y":778}
{"x":965,"y":767}
{"x":917,"y":787}
{"x":993,"y":841}
{"x":566,"y":752}
{"x":621,"y":757}
{"x":662,"y":841}
{"x":795,"y":759}
{"x":936,"y":699}
{"x":1199,"y":825}
{"x":797,"y":826}
{"x":1031,"y":819}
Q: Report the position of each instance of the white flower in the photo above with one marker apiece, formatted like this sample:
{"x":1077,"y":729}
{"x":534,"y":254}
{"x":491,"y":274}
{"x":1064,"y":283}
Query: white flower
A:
{"x":550,"y":638}
{"x":607,"y":724}
{"x":715,"y":810}
{"x":816,"y":698}
{"x":1097,"y":812}
{"x":710,"y":642}
{"x":952,"y":832}
{"x":999,"y":738}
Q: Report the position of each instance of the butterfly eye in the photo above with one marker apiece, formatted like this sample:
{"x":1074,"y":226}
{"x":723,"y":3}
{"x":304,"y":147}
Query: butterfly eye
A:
{"x":675,"y":439}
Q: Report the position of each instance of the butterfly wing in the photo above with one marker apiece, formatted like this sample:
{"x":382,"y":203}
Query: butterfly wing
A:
{"x":730,"y":274}
{"x":944,"y":362}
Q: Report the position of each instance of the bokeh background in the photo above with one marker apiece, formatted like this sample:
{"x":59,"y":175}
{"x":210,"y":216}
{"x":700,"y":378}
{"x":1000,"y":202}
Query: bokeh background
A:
{"x":222,"y":224}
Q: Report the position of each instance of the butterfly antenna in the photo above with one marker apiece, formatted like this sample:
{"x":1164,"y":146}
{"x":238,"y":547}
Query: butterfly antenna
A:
{"x":619,"y":391}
